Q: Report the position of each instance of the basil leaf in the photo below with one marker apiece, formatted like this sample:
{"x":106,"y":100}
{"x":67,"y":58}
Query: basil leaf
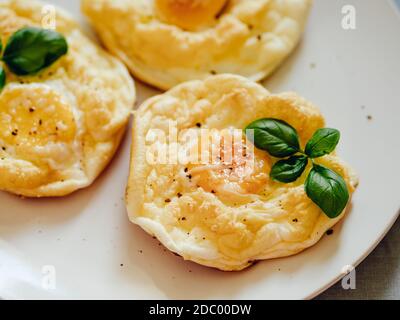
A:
{"x":289,"y":170}
{"x":30,"y":50}
{"x":323,"y":142}
{"x":327,"y":190}
{"x":2,"y":78}
{"x":275,"y":136}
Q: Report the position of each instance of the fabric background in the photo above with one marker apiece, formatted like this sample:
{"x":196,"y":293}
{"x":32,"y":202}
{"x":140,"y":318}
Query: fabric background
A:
{"x":378,"y":276}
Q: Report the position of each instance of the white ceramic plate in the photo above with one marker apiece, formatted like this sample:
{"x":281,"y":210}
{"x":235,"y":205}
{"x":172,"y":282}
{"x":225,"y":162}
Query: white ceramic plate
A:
{"x":83,"y":246}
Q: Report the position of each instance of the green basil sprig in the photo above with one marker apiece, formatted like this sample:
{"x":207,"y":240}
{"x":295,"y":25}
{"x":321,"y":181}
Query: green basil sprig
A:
{"x":289,"y":170}
{"x":2,"y":78}
{"x":323,"y":186}
{"x":30,"y":50}
{"x":276,"y":137}
{"x":2,"y":72}
{"x":328,"y":190}
{"x":322,"y":143}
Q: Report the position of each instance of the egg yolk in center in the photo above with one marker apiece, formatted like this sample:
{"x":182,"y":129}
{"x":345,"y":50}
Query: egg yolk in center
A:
{"x":236,"y":167}
{"x":32,"y":117}
{"x":189,"y":14}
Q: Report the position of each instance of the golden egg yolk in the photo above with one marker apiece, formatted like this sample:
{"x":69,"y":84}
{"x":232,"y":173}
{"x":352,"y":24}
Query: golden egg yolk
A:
{"x":32,"y":117}
{"x":236,"y":168}
{"x":189,"y":14}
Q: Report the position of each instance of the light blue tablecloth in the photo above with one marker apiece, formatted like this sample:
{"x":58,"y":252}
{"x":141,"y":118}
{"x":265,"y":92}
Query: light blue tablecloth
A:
{"x":378,"y":276}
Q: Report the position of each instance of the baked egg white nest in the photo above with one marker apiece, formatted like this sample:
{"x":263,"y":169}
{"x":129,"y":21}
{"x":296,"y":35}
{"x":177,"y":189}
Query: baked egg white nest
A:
{"x":61,"y":127}
{"x":221,"y":215}
{"x":166,"y":42}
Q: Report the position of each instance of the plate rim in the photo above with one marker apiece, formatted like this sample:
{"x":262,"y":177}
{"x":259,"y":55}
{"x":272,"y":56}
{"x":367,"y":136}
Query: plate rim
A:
{"x":357,"y":261}
{"x":395,"y":4}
